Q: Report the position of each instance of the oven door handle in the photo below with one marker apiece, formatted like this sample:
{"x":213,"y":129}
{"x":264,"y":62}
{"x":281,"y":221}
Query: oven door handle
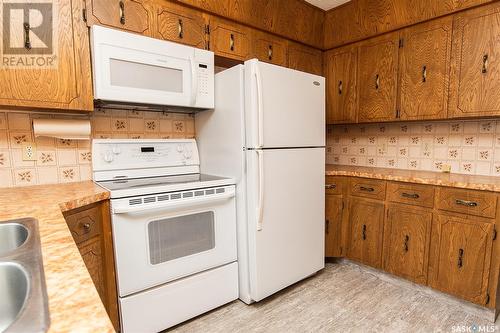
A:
{"x":169,"y":206}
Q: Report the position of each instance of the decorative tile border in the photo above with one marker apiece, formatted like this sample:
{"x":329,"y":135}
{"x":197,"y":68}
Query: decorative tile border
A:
{"x":468,"y":147}
{"x":63,"y":161}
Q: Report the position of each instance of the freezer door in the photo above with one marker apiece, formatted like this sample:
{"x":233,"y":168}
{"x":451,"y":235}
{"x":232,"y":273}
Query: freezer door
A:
{"x":285,"y":217}
{"x":283,"y":107}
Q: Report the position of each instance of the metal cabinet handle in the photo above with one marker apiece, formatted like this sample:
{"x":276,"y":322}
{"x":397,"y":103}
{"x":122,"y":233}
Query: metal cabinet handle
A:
{"x":410,"y":195}
{"x":485,"y":64}
{"x":327,"y":226}
{"x":460,"y":262}
{"x":181,"y":29}
{"x":340,"y":87}
{"x":377,"y":81}
{"x":231,"y":42}
{"x":363,"y":232}
{"x":405,"y":246}
{"x":27,"y":43}
{"x":424,"y":74}
{"x":270,"y":52}
{"x":330,"y":187}
{"x":122,"y":12}
{"x":466,"y":203}
{"x":366,"y":189}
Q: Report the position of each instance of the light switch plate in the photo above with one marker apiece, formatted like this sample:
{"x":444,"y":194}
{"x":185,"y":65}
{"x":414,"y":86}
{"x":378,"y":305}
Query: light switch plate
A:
{"x":29,"y":151}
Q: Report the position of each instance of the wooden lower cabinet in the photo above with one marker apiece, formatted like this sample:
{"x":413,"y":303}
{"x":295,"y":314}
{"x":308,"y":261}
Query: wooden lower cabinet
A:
{"x":461,"y":255}
{"x":91,"y":229}
{"x":407,"y":241}
{"x":333,"y":225}
{"x":366,"y":220}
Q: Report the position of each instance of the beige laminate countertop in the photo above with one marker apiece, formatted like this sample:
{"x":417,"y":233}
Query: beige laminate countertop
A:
{"x":485,"y":183}
{"x":74,"y":303}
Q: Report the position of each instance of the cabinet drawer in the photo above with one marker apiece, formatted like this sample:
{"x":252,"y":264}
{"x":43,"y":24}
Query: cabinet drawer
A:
{"x":413,"y":194}
{"x":368,"y":188}
{"x":84,"y":224}
{"x":334,"y":185}
{"x":468,"y":202}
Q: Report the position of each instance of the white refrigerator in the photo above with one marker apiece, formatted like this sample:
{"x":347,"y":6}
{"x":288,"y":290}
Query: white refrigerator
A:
{"x":268,"y":132}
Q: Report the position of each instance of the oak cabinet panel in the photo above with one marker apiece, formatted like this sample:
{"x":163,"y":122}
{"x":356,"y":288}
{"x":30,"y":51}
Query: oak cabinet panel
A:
{"x":477,"y":203}
{"x":341,"y":96}
{"x":475,"y":70}
{"x":269,"y":48}
{"x":366,"y":220}
{"x":424,"y":70}
{"x":92,"y":257}
{"x":377,"y":78}
{"x":460,"y":256}
{"x":180,"y":24}
{"x":130,"y":15}
{"x":408,"y":235}
{"x":333,"y":225}
{"x":65,"y":85}
{"x":412,"y":194}
{"x":368,"y":188}
{"x":230,"y":40}
{"x":305,"y":59}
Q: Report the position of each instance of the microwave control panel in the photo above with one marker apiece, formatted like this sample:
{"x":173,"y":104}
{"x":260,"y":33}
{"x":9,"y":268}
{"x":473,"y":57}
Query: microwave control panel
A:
{"x":204,"y":62}
{"x":203,"y":79}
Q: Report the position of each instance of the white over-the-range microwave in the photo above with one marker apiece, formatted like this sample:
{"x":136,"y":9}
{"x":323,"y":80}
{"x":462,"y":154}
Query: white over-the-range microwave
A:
{"x":137,"y":72}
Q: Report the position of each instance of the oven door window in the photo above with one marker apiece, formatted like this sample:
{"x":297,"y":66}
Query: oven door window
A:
{"x":180,"y":236}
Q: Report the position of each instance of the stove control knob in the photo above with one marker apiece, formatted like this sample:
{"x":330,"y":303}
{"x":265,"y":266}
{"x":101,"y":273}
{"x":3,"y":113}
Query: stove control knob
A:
{"x":108,"y":157}
{"x":116,"y":150}
{"x":180,"y":148}
{"x":188,"y":155}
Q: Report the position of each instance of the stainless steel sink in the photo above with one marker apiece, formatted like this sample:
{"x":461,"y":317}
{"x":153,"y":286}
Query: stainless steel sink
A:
{"x":23,"y":295}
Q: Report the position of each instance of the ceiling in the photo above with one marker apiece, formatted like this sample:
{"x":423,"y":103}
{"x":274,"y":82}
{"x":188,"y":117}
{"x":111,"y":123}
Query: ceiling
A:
{"x":327,"y":4}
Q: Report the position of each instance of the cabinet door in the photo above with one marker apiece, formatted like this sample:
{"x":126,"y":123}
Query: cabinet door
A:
{"x":333,"y":225}
{"x":475,"y":69}
{"x":407,"y":241}
{"x":270,"y":49}
{"x":340,"y":72}
{"x":424,"y":70}
{"x":460,"y":256}
{"x":366,"y":220}
{"x":305,"y":59}
{"x":377,"y":77}
{"x":67,"y":83}
{"x":92,"y":256}
{"x":130,"y":15}
{"x":229,"y":39}
{"x":180,"y":24}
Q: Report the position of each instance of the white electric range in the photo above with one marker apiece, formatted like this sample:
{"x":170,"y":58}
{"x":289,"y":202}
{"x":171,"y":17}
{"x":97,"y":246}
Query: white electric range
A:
{"x":174,"y":231}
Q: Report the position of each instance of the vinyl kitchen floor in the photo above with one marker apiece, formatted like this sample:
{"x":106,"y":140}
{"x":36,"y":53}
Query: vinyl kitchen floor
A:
{"x":346,"y":297}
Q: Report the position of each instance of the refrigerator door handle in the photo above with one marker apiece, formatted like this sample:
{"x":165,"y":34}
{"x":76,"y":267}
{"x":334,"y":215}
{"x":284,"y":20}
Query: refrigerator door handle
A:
{"x":260,"y":203}
{"x":260,"y":107}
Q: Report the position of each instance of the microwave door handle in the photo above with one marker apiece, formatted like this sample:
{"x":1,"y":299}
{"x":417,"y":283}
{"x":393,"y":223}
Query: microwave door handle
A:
{"x":260,"y":107}
{"x":260,"y":198}
{"x":194,"y":82}
{"x":169,"y":206}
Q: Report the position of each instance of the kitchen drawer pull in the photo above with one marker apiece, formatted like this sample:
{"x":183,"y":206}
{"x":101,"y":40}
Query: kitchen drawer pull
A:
{"x":122,"y":12}
{"x":406,"y":246}
{"x":485,"y":64}
{"x":327,"y":227}
{"x":340,"y":87}
{"x":466,"y":203}
{"x":330,"y":187}
{"x":231,"y":42}
{"x":366,"y":189}
{"x":377,"y":82}
{"x":270,"y":52}
{"x":410,"y":195}
{"x":181,"y":29}
{"x":460,"y":262}
{"x":86,"y":226}
{"x":363,"y":232}
{"x":27,"y":42}
{"x":424,"y":74}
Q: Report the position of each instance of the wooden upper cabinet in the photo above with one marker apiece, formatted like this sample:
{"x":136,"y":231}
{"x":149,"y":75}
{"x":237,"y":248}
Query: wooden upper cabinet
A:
{"x":407,"y":241}
{"x":333,"y":225}
{"x":180,"y":24}
{"x":130,"y":15}
{"x":366,"y":220}
{"x":475,"y":70}
{"x":230,"y":40}
{"x":340,"y":71}
{"x":305,"y":59}
{"x":67,"y":83}
{"x":460,"y":256}
{"x":377,"y":78}
{"x":424,"y":70}
{"x":269,"y":48}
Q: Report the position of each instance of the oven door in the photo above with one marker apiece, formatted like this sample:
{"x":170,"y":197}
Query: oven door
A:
{"x":157,"y":241}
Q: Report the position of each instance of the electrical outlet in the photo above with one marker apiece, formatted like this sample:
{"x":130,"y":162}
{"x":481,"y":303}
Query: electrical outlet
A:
{"x":29,"y":151}
{"x":446,"y":168}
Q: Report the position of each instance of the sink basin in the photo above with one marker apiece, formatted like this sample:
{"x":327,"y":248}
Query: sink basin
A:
{"x":14,"y":290}
{"x":12,"y":236}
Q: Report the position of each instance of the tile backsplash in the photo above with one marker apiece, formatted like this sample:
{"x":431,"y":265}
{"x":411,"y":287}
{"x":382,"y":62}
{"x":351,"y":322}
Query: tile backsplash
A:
{"x":469,"y":147}
{"x":61,"y":161}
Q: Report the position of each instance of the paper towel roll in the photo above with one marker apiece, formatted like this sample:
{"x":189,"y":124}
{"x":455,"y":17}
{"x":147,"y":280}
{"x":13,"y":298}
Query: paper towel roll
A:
{"x":62,"y":128}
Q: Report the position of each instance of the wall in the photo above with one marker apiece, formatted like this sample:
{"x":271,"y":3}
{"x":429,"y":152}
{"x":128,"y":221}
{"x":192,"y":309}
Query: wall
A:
{"x":62,"y":161}
{"x":470,"y":147}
